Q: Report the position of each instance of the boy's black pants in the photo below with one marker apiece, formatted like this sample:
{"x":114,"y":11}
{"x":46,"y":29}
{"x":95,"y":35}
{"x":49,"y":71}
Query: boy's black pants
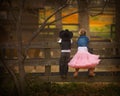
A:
{"x":64,"y":59}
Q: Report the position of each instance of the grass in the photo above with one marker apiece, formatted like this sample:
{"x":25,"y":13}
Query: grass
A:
{"x":37,"y":88}
{"x":74,"y":89}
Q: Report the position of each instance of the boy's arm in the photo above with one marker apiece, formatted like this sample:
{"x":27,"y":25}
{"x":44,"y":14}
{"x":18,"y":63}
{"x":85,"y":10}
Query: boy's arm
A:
{"x":60,"y":40}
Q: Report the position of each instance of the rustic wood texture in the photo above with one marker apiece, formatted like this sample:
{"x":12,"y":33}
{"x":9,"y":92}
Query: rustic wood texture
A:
{"x":83,"y":77}
{"x":44,"y":51}
{"x":43,"y":57}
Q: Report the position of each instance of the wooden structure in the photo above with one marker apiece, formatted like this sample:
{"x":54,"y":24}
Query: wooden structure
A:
{"x":43,"y":51}
{"x":46,"y":66}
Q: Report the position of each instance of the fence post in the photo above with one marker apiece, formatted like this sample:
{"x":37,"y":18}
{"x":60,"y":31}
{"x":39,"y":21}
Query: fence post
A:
{"x":47,"y":65}
{"x":47,"y":69}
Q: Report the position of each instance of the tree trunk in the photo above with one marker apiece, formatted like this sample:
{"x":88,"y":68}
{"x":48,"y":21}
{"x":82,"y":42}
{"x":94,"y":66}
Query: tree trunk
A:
{"x":58,"y":15}
{"x":19,"y":50}
{"x":83,"y":15}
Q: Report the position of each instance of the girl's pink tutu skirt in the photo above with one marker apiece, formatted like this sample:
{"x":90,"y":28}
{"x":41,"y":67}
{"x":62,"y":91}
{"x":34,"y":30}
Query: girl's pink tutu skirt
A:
{"x":84,"y":59}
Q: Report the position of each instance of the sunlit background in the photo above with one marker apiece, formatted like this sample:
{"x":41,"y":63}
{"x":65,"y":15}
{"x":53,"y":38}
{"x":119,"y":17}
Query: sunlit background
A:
{"x":101,"y":26}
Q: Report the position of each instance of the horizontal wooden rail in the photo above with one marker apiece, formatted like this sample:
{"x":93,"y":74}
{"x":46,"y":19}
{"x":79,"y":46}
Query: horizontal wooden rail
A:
{"x":82,"y":77}
{"x":55,"y":61}
{"x":54,"y":45}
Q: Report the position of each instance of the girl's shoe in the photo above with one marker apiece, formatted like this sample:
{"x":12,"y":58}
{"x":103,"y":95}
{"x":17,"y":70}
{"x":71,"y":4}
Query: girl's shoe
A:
{"x":75,"y":75}
{"x":92,"y":74}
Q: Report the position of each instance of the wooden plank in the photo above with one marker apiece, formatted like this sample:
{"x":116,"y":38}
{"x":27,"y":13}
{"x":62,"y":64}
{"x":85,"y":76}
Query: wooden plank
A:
{"x":105,"y":65}
{"x":106,"y":50}
{"x":54,"y":45}
{"x":55,"y":61}
{"x":47,"y":69}
{"x":83,"y":77}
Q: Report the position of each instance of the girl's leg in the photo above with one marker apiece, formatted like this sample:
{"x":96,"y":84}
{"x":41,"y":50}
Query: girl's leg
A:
{"x":76,"y":72}
{"x":91,"y":72}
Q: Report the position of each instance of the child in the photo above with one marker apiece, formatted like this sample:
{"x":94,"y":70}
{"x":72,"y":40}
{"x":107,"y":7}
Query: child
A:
{"x":84,"y":59}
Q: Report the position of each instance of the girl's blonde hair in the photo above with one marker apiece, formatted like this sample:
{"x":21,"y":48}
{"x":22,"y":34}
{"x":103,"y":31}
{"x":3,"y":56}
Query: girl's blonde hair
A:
{"x":82,"y":31}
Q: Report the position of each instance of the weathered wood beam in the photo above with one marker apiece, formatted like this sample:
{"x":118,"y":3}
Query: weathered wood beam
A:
{"x":55,"y":45}
{"x":83,"y":77}
{"x":55,"y":61}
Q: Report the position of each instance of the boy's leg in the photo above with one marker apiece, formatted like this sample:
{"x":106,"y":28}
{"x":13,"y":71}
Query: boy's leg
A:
{"x":67,"y":58}
{"x":61,"y":64}
{"x":64,"y":59}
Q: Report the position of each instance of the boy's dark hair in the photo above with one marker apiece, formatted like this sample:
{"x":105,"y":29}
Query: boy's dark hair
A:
{"x":66,"y":34}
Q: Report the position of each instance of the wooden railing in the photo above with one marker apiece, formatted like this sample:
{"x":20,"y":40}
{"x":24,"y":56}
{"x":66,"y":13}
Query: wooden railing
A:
{"x":46,"y":54}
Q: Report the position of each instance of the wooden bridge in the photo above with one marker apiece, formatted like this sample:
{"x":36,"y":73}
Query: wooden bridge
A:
{"x":44,"y":64}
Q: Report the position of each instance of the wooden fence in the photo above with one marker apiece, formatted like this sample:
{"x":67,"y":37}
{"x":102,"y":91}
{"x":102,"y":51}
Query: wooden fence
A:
{"x":43,"y":58}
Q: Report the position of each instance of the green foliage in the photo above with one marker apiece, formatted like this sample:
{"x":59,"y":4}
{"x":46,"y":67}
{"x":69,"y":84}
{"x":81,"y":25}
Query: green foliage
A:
{"x":105,"y":28}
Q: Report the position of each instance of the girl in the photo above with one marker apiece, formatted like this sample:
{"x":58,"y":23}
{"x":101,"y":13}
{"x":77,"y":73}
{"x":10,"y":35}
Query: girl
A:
{"x":84,"y":59}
